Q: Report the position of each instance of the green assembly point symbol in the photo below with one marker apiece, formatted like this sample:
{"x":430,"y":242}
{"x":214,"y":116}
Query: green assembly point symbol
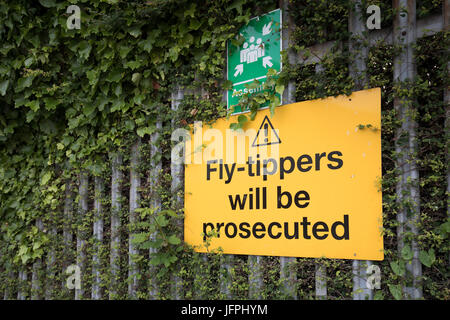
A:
{"x":258,"y":50}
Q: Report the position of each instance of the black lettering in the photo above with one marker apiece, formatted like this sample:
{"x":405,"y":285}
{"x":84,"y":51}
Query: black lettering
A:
{"x":318,"y":157}
{"x":279,"y":200}
{"x":282,"y":168}
{"x":230,"y":224}
{"x":274,"y":166}
{"x":219,"y":225}
{"x":209,"y":169}
{"x":300,"y":163}
{"x":246,"y":230}
{"x":345,"y":235}
{"x":259,"y":227}
{"x":305,"y":223}
{"x":339,"y":162}
{"x":301,"y":196}
{"x":237,"y":200}
{"x":264,"y":198}
{"x":229,"y":172}
{"x":205,"y":226}
{"x":320,"y":227}
{"x":250,"y":163}
{"x":286,"y":231}
{"x":269,"y":230}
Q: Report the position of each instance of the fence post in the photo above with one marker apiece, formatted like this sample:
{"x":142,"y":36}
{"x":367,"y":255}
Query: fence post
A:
{"x":446,"y":18}
{"x":51,"y":257}
{"x":226,"y":262}
{"x":21,"y":286}
{"x":176,"y":171}
{"x":407,"y":188}
{"x":288,"y":277}
{"x":255,"y":277}
{"x":116,"y":208}
{"x":320,"y":269}
{"x":67,"y":231}
{"x":155,"y":201}
{"x":135,"y":184}
{"x":358,"y":71}
{"x":9,"y":288}
{"x":81,"y":233}
{"x":98,"y":238}
{"x":37,"y":266}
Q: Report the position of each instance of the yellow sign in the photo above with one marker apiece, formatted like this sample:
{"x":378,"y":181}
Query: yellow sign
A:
{"x":303,"y":183}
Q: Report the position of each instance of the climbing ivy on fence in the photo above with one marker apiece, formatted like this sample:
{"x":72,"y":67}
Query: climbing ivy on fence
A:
{"x":69,"y":99}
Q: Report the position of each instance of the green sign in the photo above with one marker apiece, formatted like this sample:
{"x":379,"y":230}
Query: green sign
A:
{"x":258,"y":50}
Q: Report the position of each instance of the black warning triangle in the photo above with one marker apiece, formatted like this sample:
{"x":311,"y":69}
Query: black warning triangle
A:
{"x":268,"y":134}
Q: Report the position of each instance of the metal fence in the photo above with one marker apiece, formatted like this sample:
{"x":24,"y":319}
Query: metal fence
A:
{"x":86,"y":192}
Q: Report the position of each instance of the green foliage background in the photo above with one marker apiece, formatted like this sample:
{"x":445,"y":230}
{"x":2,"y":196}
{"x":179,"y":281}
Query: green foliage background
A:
{"x":70,"y":98}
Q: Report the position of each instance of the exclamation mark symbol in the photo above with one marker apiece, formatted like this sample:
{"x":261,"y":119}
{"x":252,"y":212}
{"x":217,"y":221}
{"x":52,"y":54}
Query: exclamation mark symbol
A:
{"x":266,"y":132}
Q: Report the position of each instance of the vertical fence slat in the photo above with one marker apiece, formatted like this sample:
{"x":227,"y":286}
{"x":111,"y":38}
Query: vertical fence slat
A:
{"x":288,"y":277}
{"x":116,"y":208}
{"x":37,"y":266}
{"x":255,"y":277}
{"x":9,"y":289}
{"x":227,"y":260}
{"x":22,"y":283}
{"x":135,"y":184}
{"x":51,"y":259}
{"x":96,"y":292}
{"x":67,"y":229}
{"x":320,"y":269}
{"x":176,"y":171}
{"x":81,"y":233}
{"x":358,"y":71}
{"x":446,"y":20}
{"x":409,"y":211}
{"x":155,"y":203}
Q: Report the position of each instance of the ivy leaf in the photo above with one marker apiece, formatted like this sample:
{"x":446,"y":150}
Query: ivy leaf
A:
{"x":173,"y":239}
{"x":427,"y":258}
{"x":48,"y":3}
{"x":407,"y":253}
{"x":396,"y":290}
{"x":84,"y":49}
{"x":28,"y":62}
{"x":236,"y":5}
{"x":23,"y":83}
{"x":279,"y":89}
{"x":89,"y":109}
{"x":140,"y":237}
{"x":190,"y":12}
{"x":398,"y":268}
{"x":271,"y":72}
{"x":133,"y":64}
{"x":141,"y":132}
{"x":123,"y":51}
{"x":46,"y":177}
{"x":3,"y":87}
{"x":171,"y":213}
{"x":51,"y":103}
{"x":114,"y":76}
{"x":242,"y":119}
{"x":136,"y":77}
{"x":135,"y":32}
{"x":33,"y":105}
{"x":235,"y":126}
{"x":161,"y":220}
{"x":147,"y":45}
